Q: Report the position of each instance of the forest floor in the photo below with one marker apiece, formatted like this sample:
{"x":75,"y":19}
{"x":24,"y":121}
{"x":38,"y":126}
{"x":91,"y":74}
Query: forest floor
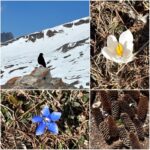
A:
{"x":119,"y":119}
{"x":18,"y":108}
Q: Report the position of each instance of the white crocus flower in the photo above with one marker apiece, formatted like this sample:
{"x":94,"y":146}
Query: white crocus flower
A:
{"x":122,"y":51}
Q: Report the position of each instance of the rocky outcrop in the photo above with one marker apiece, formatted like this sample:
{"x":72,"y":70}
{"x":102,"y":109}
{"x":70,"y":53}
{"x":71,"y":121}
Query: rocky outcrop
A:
{"x":33,"y":37}
{"x":68,"y":25}
{"x":68,"y":46}
{"x":39,"y":78}
{"x":6,"y":36}
{"x":51,"y":33}
{"x":81,"y":22}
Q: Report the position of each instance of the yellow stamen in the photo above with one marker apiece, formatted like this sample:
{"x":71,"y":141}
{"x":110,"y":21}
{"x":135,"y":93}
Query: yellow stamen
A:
{"x":119,"y":50}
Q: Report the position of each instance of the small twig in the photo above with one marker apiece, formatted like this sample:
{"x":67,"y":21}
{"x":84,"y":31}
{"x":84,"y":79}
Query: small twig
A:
{"x":141,"y":48}
{"x":117,"y":14}
{"x":28,"y":137}
{"x":136,"y":81}
{"x":8,"y":109}
{"x":147,"y":7}
{"x":30,"y":110}
{"x":133,"y":8}
{"x":121,"y":68}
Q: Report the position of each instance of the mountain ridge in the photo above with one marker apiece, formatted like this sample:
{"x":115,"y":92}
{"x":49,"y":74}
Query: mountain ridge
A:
{"x":68,"y":24}
{"x":66,"y":49}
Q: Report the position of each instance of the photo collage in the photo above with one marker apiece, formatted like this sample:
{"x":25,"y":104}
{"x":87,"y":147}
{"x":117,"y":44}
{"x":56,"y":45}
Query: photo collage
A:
{"x":74,"y":74}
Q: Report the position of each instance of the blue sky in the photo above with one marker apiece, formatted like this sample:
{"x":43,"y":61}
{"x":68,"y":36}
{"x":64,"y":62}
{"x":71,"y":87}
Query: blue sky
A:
{"x":25,"y":17}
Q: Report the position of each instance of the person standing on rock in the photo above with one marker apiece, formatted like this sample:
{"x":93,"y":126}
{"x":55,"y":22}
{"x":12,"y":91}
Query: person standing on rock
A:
{"x":41,"y":60}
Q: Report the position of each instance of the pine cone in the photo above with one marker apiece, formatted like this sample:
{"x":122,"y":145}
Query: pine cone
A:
{"x":105,"y":101}
{"x":104,"y":129}
{"x":113,"y":130}
{"x":135,"y":143}
{"x":113,"y":95}
{"x":115,"y":109}
{"x":97,"y":116}
{"x":124,"y":136}
{"x":128,"y":122}
{"x":142,"y":108}
{"x":124,"y":107}
{"x":134,"y":94}
{"x":139,"y":128}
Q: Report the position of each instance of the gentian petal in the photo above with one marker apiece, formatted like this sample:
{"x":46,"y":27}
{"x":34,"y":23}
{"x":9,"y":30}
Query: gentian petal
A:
{"x":41,"y":128}
{"x":36,"y":119}
{"x":126,"y":36}
{"x":45,"y":111}
{"x":55,"y":116}
{"x":52,"y":127}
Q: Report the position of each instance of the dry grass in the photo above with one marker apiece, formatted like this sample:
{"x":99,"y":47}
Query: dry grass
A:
{"x":114,"y":18}
{"x":18,"y":107}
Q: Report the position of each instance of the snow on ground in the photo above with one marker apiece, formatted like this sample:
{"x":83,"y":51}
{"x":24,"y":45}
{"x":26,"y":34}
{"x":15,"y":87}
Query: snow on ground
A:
{"x":20,"y":57}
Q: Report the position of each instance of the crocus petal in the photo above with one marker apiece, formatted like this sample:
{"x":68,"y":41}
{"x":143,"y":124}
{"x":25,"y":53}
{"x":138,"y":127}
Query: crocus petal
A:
{"x":45,"y":111}
{"x":127,"y":53}
{"x":128,"y":46}
{"x":36,"y":119}
{"x":112,"y":42}
{"x":55,"y":116}
{"x":118,"y":59}
{"x":124,"y":60}
{"x":126,"y":37}
{"x":41,"y":128}
{"x":52,"y":127}
{"x":107,"y":53}
{"x":129,"y":58}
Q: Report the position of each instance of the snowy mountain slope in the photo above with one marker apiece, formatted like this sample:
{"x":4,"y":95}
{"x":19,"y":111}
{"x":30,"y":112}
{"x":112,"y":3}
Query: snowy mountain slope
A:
{"x":66,"y":50}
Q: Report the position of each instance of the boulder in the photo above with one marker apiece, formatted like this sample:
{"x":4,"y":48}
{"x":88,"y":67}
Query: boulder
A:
{"x":39,"y":78}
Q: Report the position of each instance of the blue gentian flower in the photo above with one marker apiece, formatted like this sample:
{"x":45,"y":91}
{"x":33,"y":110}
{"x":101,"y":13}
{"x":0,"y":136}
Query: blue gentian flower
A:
{"x":46,"y":120}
